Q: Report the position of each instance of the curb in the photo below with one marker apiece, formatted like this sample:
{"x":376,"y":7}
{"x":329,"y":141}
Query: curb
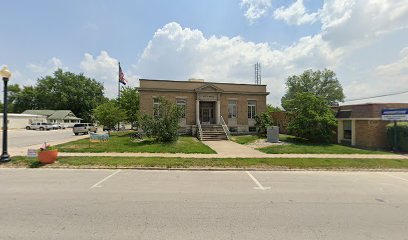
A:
{"x":214,"y":169}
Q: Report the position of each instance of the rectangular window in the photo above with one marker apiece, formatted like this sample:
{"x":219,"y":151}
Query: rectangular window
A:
{"x":252,"y":129}
{"x":156,"y":107}
{"x":251,"y":109}
{"x":181,"y":104}
{"x":232,"y":109}
{"x":347,"y":129}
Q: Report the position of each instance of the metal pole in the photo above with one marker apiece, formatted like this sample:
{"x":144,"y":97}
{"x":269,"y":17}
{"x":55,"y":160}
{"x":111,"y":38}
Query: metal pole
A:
{"x":395,"y":148}
{"x":119,"y":90}
{"x":5,"y":157}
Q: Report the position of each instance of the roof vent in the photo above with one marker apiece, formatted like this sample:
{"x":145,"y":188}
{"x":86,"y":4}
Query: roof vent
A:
{"x":195,"y":80}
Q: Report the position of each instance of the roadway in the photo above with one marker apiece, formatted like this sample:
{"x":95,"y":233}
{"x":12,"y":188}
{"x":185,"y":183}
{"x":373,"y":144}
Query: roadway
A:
{"x":134,"y":204}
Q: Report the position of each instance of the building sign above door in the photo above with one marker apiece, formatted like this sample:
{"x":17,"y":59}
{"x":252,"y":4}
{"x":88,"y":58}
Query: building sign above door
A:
{"x":208,"y":96}
{"x":400,"y":114}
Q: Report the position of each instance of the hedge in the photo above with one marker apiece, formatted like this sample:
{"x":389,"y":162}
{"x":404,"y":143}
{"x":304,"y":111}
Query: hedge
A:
{"x":402,"y":135}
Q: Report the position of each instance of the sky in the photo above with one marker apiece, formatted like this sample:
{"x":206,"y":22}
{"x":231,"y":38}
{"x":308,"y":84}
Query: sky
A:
{"x":364,"y":42}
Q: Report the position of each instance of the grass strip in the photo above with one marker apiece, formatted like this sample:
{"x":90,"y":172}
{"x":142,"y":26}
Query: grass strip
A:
{"x":175,"y":162}
{"x":121,"y":142}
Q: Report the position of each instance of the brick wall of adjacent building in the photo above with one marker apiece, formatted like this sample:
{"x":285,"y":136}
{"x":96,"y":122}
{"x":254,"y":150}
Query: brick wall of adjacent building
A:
{"x":371,"y":134}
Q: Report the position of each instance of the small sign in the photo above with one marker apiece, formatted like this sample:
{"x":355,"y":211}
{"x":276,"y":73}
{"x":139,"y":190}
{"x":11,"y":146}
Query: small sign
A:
{"x":99,"y":137}
{"x":31,"y":153}
{"x":400,"y":114}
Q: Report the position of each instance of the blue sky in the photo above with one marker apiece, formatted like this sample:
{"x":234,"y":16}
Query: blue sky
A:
{"x":366,"y":44}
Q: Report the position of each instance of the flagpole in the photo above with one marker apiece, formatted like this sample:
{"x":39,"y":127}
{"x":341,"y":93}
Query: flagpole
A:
{"x":119,"y":89}
{"x":119,"y":82}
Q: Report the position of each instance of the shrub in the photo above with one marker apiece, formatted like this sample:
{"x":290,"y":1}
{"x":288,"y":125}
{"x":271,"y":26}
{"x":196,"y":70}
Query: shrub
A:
{"x":163,"y":127}
{"x":263,"y":121}
{"x":402,"y":135}
{"x":311,"y":118}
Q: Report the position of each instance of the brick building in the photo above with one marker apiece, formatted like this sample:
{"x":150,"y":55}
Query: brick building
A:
{"x":361,"y":125}
{"x":207,"y":103}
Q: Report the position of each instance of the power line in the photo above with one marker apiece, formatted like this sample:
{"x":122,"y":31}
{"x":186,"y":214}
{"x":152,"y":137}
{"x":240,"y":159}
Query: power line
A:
{"x":384,"y":95}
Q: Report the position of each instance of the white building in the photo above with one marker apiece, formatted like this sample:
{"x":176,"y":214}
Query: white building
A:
{"x":20,"y":121}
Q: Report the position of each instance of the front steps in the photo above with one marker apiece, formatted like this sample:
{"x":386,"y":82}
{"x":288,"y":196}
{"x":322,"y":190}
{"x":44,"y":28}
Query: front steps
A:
{"x":213,"y":132}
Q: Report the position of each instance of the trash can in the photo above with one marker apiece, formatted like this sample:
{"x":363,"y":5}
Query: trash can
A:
{"x":272,"y":134}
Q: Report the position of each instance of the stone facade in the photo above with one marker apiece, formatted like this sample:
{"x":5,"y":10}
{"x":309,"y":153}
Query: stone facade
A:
{"x":207,"y":102}
{"x":361,"y":125}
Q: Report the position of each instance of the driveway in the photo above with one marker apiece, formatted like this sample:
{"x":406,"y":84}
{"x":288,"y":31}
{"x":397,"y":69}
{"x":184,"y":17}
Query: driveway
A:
{"x":129,"y":204}
{"x":20,"y":140}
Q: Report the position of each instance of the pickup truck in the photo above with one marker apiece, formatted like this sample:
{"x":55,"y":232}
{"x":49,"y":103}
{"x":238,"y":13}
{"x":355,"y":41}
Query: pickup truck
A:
{"x":39,"y":126}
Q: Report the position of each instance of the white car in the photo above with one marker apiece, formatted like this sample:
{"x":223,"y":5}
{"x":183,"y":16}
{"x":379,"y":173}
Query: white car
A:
{"x":57,"y":126}
{"x":39,"y":126}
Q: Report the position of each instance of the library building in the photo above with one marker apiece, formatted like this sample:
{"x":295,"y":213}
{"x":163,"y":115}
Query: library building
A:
{"x":207,"y":106}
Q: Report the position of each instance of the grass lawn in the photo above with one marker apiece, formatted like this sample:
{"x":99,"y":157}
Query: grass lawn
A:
{"x":245,"y":139}
{"x":261,"y":163}
{"x":300,"y":145}
{"x":121,"y":142}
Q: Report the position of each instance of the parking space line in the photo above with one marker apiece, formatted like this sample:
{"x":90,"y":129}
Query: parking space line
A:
{"x":400,"y":178}
{"x":260,"y":187}
{"x":103,"y":180}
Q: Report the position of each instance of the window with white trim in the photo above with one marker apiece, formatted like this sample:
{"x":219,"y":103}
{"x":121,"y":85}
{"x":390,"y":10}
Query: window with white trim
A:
{"x":251,"y":108}
{"x":181,"y":104}
{"x":232,"y":109}
{"x":156,"y":107}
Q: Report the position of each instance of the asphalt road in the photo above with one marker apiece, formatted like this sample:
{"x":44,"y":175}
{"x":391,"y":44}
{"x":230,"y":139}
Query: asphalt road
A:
{"x":131,"y":204}
{"x":25,"y":138}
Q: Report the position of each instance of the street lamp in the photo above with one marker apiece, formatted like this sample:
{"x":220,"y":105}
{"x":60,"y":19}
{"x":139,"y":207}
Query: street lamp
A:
{"x":5,"y":74}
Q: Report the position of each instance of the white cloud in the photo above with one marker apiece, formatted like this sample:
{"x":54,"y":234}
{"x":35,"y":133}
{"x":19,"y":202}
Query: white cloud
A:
{"x":256,"y":8}
{"x":104,"y":68}
{"x":355,"y":24}
{"x":295,"y":14}
{"x":47,"y":68}
{"x":181,"y":53}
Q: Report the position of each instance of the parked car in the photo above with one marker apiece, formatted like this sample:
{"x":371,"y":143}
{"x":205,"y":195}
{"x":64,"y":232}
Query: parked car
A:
{"x":83,"y":128}
{"x":39,"y":126}
{"x":57,"y":126}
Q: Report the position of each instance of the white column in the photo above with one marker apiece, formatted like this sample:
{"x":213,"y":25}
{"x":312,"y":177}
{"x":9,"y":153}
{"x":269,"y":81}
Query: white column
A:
{"x":353,"y":132}
{"x":197,"y":111}
{"x":340,"y":131}
{"x":217,"y":112}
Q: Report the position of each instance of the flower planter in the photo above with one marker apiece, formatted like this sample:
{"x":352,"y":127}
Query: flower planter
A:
{"x":48,"y":156}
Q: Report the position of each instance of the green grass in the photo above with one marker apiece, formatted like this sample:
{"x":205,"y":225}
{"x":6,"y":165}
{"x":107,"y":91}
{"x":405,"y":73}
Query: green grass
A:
{"x":261,"y":163}
{"x":121,"y":142}
{"x":245,"y":139}
{"x":303,"y":146}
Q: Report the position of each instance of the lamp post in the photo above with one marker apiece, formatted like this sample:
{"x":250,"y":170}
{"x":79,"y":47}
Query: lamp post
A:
{"x":5,"y":74}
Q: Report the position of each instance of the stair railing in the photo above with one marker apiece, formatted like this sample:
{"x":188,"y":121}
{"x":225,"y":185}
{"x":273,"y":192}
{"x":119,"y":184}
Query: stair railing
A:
{"x":226,"y":129}
{"x":200,"y":130}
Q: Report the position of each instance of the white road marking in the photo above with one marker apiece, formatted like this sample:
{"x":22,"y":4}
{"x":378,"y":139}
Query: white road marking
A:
{"x":103,"y":180}
{"x":400,"y":178}
{"x":260,"y":187}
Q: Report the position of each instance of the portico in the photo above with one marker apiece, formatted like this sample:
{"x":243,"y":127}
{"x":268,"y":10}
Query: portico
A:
{"x":208,"y":109}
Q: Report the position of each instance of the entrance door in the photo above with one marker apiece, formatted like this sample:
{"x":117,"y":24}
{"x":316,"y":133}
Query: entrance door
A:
{"x":205,"y":115}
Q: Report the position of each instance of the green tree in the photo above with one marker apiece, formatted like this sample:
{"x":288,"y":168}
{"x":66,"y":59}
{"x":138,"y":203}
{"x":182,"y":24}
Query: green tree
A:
{"x":25,"y":99}
{"x":13,"y":91}
{"x":164,"y":127}
{"x":263,"y":121}
{"x":129,"y":102}
{"x":67,"y":90}
{"x":323,"y":84}
{"x":312,"y":118}
{"x":109,"y":114}
{"x":271,"y":108}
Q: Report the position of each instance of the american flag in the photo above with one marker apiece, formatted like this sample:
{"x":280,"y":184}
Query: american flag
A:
{"x":122,"y":76}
